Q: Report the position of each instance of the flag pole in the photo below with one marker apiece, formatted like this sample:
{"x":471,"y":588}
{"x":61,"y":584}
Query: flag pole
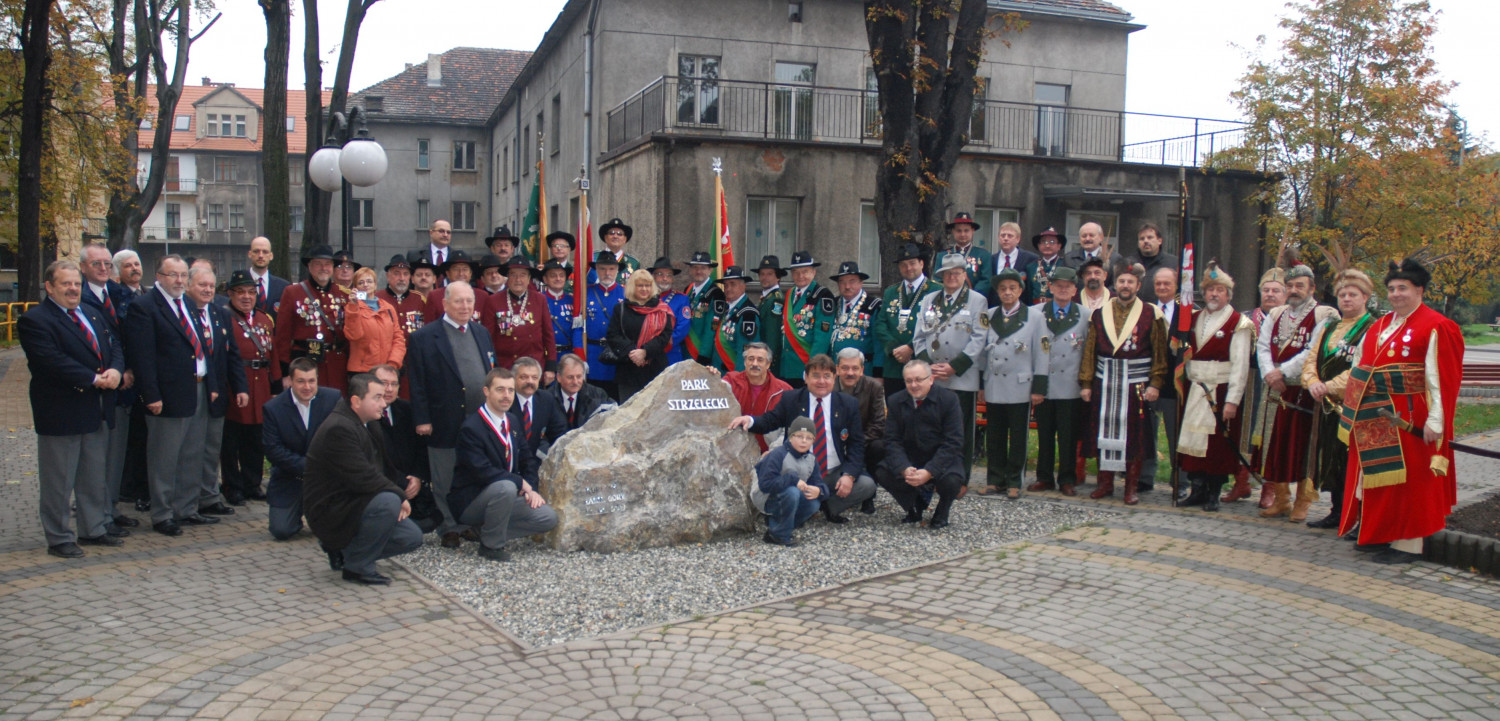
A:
{"x":581,"y":260}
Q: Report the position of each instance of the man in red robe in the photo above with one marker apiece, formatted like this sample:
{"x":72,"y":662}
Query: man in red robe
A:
{"x":519,"y":320}
{"x":1213,"y":388}
{"x":1400,"y":485}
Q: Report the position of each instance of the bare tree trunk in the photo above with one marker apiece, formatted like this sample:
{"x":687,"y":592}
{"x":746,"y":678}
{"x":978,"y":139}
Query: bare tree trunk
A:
{"x":276,"y":222}
{"x":315,"y":201}
{"x":339,"y":95}
{"x":35,"y":97}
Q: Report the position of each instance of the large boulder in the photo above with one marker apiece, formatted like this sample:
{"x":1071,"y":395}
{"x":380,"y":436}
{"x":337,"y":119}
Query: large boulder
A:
{"x":660,"y":470}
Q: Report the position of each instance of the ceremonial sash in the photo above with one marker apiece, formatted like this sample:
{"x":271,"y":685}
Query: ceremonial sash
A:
{"x":797,"y":344}
{"x":1361,"y":425}
{"x":510,"y":454}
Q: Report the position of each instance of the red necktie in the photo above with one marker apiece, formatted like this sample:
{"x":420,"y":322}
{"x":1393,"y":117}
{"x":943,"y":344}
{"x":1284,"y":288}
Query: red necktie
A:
{"x":440,"y":255}
{"x":820,"y":439}
{"x":187,"y":327}
{"x":93,"y":343}
{"x":109,"y":307}
{"x":571,"y":417}
{"x":1007,"y":262}
{"x":527,"y":414}
{"x":208,"y":327}
{"x":260,"y":292}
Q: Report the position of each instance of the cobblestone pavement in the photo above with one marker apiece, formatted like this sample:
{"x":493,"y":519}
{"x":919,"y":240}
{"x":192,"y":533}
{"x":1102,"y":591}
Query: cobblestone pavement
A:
{"x":1153,"y":614}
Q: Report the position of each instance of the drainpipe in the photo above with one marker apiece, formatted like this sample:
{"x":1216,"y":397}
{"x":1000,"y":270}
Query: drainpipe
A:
{"x":516,"y":167}
{"x":588,"y":91}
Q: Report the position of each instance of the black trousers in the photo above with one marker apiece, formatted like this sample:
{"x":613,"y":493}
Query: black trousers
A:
{"x":910,"y":497}
{"x":1005,"y":442}
{"x":242,"y":460}
{"x":133,"y":484}
{"x":874,"y":454}
{"x":1057,"y":424}
{"x":966,"y":408}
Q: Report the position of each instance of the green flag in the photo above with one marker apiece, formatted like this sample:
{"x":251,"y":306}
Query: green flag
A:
{"x":535,"y":224}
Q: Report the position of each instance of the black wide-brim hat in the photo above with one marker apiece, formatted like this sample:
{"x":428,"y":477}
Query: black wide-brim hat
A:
{"x":565,"y":235}
{"x":802,"y":259}
{"x":605,"y":257}
{"x":502,"y":233}
{"x":734,"y":272}
{"x":398,"y":261}
{"x":616,"y":223}
{"x":1062,"y":240}
{"x":456,"y":256}
{"x":849,"y":267}
{"x":318,"y":252}
{"x":343,"y":255}
{"x":239,"y":279}
{"x":702,"y":258}
{"x":664,"y":263}
{"x":490,"y":260}
{"x":555,"y":265}
{"x":417,"y":259}
{"x":910,"y":251}
{"x":520,"y":261}
{"x":771,"y":262}
{"x":961,"y":219}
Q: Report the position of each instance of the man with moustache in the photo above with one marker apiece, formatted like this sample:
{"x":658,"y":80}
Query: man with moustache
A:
{"x":1091,"y":245}
{"x":518,"y":320}
{"x":854,"y":319}
{"x":897,"y":321}
{"x":1259,"y":412}
{"x":1148,"y":240}
{"x":1214,"y":384}
{"x":133,"y":483}
{"x":736,"y":322}
{"x":1015,"y":355}
{"x":756,"y":389}
{"x":242,"y":458}
{"x":1049,"y":244}
{"x":1095,"y":293}
{"x":535,"y":415}
{"x":1282,"y":347}
{"x":704,"y":297}
{"x":310,"y":322}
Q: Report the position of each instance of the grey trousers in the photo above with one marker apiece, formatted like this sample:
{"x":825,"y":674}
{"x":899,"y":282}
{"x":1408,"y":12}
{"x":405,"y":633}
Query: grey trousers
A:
{"x":213,"y":442}
{"x":287,"y":522}
{"x":175,"y":471}
{"x":114,"y":464}
{"x":500,"y":515}
{"x":1162,"y":410}
{"x":69,"y":467}
{"x":864,"y":489}
{"x":440,"y":463}
{"x":380,"y":535}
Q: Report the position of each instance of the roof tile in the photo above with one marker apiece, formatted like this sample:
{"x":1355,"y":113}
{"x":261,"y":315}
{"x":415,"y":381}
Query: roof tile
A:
{"x":473,"y":81}
{"x":296,"y":107}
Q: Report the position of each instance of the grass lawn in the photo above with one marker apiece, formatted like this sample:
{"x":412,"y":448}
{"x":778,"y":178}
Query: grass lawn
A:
{"x":1475,"y":418}
{"x":1480,"y":334}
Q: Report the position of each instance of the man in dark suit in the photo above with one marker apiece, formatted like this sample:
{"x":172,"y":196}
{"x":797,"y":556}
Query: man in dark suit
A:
{"x":839,"y":440}
{"x":1011,"y":256}
{"x":76,"y":363}
{"x":536,"y":414}
{"x":111,"y":300}
{"x":290,"y":420}
{"x":133,"y":483}
{"x":164,"y":346}
{"x":494,"y":485}
{"x":1163,"y":411}
{"x":228,"y":371}
{"x":1091,"y":244}
{"x":576,"y":399}
{"x":406,"y":449}
{"x":446,"y":361}
{"x":354,"y":498}
{"x":267,"y":287}
{"x":923,"y":446}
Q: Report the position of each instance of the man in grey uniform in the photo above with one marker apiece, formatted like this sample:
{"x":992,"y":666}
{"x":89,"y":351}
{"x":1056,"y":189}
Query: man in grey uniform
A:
{"x":1058,"y":458}
{"x":1015,"y":377}
{"x":949,"y":336}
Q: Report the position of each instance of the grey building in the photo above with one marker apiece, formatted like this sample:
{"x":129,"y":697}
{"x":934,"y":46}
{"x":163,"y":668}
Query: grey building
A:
{"x":430,"y":119}
{"x":645,"y":95}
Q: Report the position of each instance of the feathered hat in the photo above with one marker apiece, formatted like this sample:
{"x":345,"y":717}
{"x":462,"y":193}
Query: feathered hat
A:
{"x":1409,"y":270}
{"x":1214,"y":275}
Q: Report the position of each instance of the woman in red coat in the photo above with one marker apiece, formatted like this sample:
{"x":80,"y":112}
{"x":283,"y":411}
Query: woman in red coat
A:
{"x":242,"y":458}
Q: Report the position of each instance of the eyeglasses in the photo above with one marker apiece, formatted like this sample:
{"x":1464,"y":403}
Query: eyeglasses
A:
{"x":97,"y":263}
{"x":174,"y":276}
{"x":923,"y":379}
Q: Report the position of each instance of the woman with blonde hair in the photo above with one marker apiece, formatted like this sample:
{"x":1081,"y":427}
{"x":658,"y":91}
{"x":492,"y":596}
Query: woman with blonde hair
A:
{"x":372,"y":328}
{"x":1335,"y":346}
{"x":640,"y":334}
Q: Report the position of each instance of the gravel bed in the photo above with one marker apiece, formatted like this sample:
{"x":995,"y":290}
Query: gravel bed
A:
{"x":545,"y":597}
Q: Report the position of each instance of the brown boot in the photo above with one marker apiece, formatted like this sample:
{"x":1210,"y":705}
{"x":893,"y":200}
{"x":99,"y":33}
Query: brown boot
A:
{"x":1281,"y":500}
{"x":1132,"y":483}
{"x":1267,"y":494}
{"x":1067,"y":490}
{"x":1106,"y":485}
{"x":1306,"y":494}
{"x":1241,"y":487}
{"x":1081,"y":470}
{"x":1040,"y":486}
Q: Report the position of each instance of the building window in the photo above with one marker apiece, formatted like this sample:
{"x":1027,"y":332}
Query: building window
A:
{"x":291,"y":124}
{"x":869,"y":242}
{"x":977,"y":126}
{"x":556,"y":123}
{"x":463,"y":155}
{"x":463,"y":216}
{"x":226,"y":126}
{"x":697,"y":90}
{"x":294,"y":213}
{"x":873,"y":126}
{"x":771,"y":226}
{"x":174,"y":221}
{"x":362,"y":212}
{"x":213,"y":125}
{"x":1173,"y":239}
{"x":215,"y":216}
{"x":794,"y":11}
{"x":794,"y":100}
{"x":239,"y":126}
{"x":183,"y":122}
{"x":422,"y":222}
{"x":505,"y":167}
{"x":145,"y":123}
{"x":422,"y":153}
{"x":296,"y":173}
{"x":526,"y":150}
{"x":224,"y":170}
{"x":236,"y":216}
{"x":990,"y":220}
{"x":1051,"y":119}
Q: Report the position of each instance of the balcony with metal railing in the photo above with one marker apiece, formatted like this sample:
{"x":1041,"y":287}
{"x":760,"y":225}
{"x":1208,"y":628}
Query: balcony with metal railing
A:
{"x":713,"y":108}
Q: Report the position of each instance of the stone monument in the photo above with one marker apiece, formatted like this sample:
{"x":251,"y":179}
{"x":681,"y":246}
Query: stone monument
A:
{"x":660,"y":470}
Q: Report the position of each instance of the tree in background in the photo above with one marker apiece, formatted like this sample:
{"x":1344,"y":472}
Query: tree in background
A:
{"x":925,"y":54}
{"x":276,"y":220}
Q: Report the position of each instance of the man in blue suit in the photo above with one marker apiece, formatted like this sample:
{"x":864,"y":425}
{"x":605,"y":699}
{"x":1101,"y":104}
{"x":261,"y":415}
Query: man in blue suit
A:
{"x":446,"y":361}
{"x":111,"y":300}
{"x":291,"y":419}
{"x":164,"y":346}
{"x":601,"y":297}
{"x":839,"y":437}
{"x":228,"y":370}
{"x":536,"y":414}
{"x":494,"y":485}
{"x":76,"y":363}
{"x":267,"y":287}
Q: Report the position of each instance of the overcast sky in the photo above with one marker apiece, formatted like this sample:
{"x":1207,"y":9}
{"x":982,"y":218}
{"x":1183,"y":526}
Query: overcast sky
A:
{"x":1185,"y":62}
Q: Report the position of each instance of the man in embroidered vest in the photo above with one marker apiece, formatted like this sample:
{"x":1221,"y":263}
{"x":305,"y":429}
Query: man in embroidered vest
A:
{"x":1401,"y":398}
{"x":1335,"y":347}
{"x":1123,"y":370}
{"x":1282,"y":347}
{"x":1213,"y":381}
{"x":897,"y":321}
{"x":950,"y":337}
{"x":1059,"y":459}
{"x":806,"y":319}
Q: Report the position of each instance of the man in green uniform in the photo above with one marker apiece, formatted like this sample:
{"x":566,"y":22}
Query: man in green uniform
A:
{"x":702,"y":294}
{"x":771,"y":303}
{"x":807,"y":319}
{"x":897,"y":320}
{"x":976,"y":260}
{"x":736,"y":322}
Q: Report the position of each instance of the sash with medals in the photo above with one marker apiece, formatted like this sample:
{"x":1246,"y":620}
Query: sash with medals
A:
{"x":795,"y":303}
{"x":256,"y":335}
{"x":720,"y":338}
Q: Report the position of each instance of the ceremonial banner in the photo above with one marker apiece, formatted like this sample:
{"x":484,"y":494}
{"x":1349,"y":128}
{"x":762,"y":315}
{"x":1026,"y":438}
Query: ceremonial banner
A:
{"x":535,"y":223}
{"x":723,"y":249}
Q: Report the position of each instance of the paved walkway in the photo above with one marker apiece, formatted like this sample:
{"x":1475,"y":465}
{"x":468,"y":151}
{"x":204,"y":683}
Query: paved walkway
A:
{"x":1154,"y":614}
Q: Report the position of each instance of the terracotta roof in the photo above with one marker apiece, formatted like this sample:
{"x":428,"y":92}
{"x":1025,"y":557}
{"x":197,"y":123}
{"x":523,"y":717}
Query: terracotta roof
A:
{"x":473,"y":81}
{"x":1093,"y":9}
{"x":296,"y":140}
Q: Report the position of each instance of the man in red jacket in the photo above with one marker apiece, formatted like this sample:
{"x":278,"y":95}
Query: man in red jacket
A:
{"x":519,"y":321}
{"x":755,"y":388}
{"x":242,"y":457}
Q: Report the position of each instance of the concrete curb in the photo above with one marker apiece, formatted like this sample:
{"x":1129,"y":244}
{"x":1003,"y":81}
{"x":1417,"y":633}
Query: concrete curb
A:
{"x":1465,"y":551}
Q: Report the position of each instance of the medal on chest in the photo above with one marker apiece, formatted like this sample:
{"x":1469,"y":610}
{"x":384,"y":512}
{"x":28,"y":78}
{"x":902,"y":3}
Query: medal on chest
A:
{"x":512,"y":318}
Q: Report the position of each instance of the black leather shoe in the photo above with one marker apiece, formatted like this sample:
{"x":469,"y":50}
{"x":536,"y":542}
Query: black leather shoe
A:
{"x":113,"y":529}
{"x":256,"y":495}
{"x":494,"y":554}
{"x":217,"y":509}
{"x":1371,"y":547}
{"x":768,"y":538}
{"x":167,"y":528}
{"x":912,"y":517}
{"x":126,"y":522}
{"x":199,"y":520}
{"x":234,"y":500}
{"x":102,"y":540}
{"x":369,"y":579}
{"x":335,"y":560}
{"x":1329,"y":521}
{"x":1392,"y":557}
{"x":867,"y":507}
{"x":1143,"y":486}
{"x":937,"y":523}
{"x":143,"y":504}
{"x":65,"y":550}
{"x":836,"y":520}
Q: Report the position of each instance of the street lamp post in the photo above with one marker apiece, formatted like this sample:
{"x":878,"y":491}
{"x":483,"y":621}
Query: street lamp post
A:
{"x":349,"y":156}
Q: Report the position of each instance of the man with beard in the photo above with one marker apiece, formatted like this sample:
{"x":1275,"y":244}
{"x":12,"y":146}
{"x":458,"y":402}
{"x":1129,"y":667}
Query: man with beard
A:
{"x":1153,"y":258}
{"x":736,"y":322}
{"x":665,"y":277}
{"x":1335,"y":348}
{"x":1215,"y":379}
{"x":1123,"y":370}
{"x":1095,"y":294}
{"x":1283,"y":346}
{"x":310,"y":323}
{"x":950,"y":338}
{"x":897,"y":321}
{"x":1272,"y":291}
{"x":771,"y":304}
